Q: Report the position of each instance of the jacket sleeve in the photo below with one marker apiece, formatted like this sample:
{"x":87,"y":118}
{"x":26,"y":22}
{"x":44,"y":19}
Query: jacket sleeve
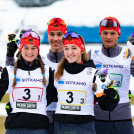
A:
{"x":4,"y":82}
{"x":51,"y":90}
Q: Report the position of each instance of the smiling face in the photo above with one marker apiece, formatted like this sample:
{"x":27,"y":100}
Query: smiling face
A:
{"x":55,"y":40}
{"x":109,"y":38}
{"x":72,"y":53}
{"x":29,"y":52}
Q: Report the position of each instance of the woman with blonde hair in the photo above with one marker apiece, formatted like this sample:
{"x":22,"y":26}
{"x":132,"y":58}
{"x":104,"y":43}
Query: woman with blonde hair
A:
{"x":73,"y":79}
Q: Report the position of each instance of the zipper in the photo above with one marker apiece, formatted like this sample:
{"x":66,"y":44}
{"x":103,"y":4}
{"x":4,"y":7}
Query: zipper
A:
{"x":108,"y":52}
{"x":56,"y":57}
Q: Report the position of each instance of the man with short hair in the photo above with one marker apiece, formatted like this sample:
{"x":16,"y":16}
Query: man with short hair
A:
{"x":112,"y":57}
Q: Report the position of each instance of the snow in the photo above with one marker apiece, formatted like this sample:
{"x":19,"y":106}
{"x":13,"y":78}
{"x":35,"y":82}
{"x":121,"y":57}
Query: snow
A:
{"x":74,"y":12}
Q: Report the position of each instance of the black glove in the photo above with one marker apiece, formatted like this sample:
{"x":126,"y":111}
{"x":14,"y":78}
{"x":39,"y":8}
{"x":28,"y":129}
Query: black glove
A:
{"x":111,"y":93}
{"x":8,"y":108}
{"x":129,"y":94}
{"x":11,"y":48}
{"x":109,"y":101}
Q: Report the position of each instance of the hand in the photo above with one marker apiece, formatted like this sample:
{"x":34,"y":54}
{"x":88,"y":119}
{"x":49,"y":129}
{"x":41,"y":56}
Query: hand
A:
{"x":129,"y":94}
{"x":8,"y":108}
{"x":130,"y":44}
{"x":109,"y":101}
{"x":11,"y":48}
{"x":111,"y":92}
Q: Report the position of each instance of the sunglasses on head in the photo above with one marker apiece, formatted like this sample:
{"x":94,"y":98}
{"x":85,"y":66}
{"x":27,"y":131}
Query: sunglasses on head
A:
{"x":56,"y":20}
{"x":73,"y":35}
{"x":32,"y":33}
{"x":109,"y":23}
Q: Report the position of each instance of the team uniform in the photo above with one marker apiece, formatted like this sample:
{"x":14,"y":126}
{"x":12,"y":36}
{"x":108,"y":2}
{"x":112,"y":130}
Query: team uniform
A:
{"x":52,"y":60}
{"x":119,"y":70}
{"x":28,"y":98}
{"x":75,"y":107}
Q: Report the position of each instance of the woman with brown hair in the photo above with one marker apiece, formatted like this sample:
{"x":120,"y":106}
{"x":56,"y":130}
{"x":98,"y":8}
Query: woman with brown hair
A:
{"x":27,"y":82}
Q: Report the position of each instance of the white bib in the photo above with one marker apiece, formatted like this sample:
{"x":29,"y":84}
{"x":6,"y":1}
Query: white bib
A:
{"x":74,"y":93}
{"x":29,"y":94}
{"x":118,"y":69}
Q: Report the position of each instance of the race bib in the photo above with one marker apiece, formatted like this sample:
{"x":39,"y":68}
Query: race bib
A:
{"x":118,"y":79}
{"x":29,"y":94}
{"x":72,"y":97}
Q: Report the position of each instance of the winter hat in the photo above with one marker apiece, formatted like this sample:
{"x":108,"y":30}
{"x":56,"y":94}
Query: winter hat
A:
{"x":110,"y":23}
{"x":30,"y":38}
{"x":73,"y":38}
{"x":57,"y":24}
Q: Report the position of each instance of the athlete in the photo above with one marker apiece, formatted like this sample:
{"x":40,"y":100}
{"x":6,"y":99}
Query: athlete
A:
{"x":111,"y":56}
{"x":56,"y":30}
{"x":73,"y":79}
{"x":27,"y":82}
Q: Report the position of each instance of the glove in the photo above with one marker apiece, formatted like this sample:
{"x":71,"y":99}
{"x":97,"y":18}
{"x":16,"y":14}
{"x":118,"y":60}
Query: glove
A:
{"x":102,"y":81}
{"x":130,"y":44}
{"x":129,"y":94}
{"x":8,"y":108}
{"x":111,"y":92}
{"x":11,"y":48}
{"x":109,"y":101}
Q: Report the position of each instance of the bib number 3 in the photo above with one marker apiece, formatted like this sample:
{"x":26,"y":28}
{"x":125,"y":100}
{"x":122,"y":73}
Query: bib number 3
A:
{"x":27,"y":91}
{"x":31,"y":94}
{"x":70,"y":97}
{"x":73,"y":97}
